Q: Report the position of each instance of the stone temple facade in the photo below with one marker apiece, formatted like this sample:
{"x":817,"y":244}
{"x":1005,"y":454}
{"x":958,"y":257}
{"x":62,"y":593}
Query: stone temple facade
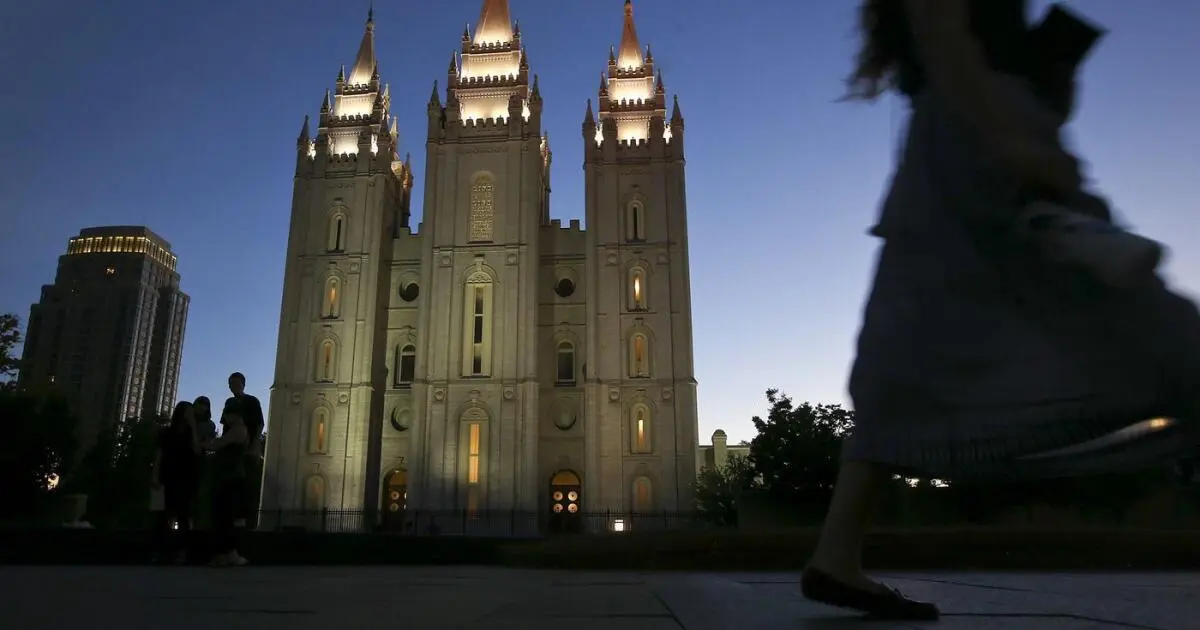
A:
{"x":492,"y":360}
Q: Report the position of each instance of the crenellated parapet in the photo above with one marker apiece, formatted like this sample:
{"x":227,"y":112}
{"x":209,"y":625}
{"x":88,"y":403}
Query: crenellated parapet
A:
{"x":492,"y":81}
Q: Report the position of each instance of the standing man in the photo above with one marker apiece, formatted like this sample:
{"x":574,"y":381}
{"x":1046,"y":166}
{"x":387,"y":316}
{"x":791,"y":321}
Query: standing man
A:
{"x":252,"y":416}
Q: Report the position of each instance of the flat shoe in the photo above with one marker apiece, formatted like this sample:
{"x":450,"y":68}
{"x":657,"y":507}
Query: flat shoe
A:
{"x":890,"y":605}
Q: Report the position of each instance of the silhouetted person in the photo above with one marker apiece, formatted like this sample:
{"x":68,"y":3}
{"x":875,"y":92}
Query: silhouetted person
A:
{"x":176,"y":474}
{"x":228,"y":473}
{"x":252,"y":414}
{"x":980,"y":356}
{"x":206,"y":429}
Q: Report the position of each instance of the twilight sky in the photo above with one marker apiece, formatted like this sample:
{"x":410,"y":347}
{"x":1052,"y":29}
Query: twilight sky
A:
{"x":183,"y":116}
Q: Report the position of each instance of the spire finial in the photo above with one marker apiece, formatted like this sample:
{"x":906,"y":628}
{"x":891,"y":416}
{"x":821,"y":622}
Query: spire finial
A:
{"x":371,"y":16}
{"x":631,"y":50}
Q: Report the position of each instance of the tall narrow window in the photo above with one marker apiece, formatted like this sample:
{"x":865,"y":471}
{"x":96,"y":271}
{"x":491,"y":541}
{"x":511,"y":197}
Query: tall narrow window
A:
{"x":318,"y":436}
{"x":636,"y":225}
{"x":314,"y":493}
{"x":332,"y":297}
{"x":637,"y":289}
{"x":639,"y":356}
{"x":477,"y":327}
{"x":483,"y":210}
{"x":643,"y":497}
{"x":474,"y":459}
{"x":566,"y":364}
{"x":337,"y":233}
{"x":640,"y":430}
{"x":406,"y":365}
{"x":326,"y":361}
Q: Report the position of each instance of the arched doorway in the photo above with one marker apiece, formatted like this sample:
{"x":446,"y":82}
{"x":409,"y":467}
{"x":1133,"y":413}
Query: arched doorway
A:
{"x":566,"y":503}
{"x":395,"y":498}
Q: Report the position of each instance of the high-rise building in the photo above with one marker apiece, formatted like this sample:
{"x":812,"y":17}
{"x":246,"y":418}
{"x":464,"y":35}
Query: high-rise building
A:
{"x":493,"y":359}
{"x":109,"y":332}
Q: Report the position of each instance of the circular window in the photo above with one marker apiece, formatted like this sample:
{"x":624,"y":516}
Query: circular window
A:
{"x":572,"y":508}
{"x":572,"y":496}
{"x":558,"y":508}
{"x":409,"y":291}
{"x":565,"y":287}
{"x":401,"y":419}
{"x":558,"y":496}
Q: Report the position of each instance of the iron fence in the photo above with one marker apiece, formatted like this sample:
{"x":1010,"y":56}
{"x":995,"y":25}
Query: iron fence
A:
{"x":478,"y":523}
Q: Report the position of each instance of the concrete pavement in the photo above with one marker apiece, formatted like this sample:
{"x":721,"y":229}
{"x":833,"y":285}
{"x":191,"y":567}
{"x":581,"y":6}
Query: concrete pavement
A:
{"x":435,"y":598}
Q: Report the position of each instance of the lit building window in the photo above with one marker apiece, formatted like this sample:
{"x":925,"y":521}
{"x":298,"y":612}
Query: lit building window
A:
{"x":640,"y":430}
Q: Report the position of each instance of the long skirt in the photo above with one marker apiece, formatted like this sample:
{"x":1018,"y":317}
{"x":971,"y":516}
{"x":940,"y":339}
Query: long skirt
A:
{"x":978,"y":359}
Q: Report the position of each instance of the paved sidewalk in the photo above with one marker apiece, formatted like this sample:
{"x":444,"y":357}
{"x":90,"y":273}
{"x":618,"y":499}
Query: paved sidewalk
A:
{"x":433,"y":598}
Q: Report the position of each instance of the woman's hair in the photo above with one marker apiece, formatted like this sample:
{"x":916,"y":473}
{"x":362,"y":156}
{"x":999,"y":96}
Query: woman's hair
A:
{"x":202,"y":402}
{"x":883,"y":28}
{"x":179,"y":415}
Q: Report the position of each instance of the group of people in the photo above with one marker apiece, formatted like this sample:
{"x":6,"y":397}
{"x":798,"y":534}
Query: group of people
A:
{"x":191,"y":444}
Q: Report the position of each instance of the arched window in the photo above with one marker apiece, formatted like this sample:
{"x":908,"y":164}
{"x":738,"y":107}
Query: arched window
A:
{"x":640,"y":430}
{"x":318,"y":433}
{"x":477,"y":325}
{"x":473,"y":436}
{"x":566,"y":364}
{"x":635,"y":227}
{"x":483,"y":210}
{"x":314,"y":493}
{"x":331,"y":298}
{"x":639,"y":356}
{"x":336,"y":241}
{"x":406,"y":365}
{"x":637,"y":289}
{"x":326,"y":361}
{"x":643,"y":495}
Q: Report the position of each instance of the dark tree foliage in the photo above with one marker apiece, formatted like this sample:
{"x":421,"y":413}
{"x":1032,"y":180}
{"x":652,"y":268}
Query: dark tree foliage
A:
{"x":116,"y":472}
{"x":10,"y":338}
{"x":38,"y":445}
{"x":717,"y":489}
{"x":797,"y":449}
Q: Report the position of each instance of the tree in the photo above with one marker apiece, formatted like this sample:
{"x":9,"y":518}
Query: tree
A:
{"x":10,"y":338}
{"x":718,"y":489}
{"x":798,"y":449}
{"x":38,"y":447}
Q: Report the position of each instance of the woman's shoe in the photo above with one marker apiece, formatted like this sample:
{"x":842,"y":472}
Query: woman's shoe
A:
{"x":818,"y":586}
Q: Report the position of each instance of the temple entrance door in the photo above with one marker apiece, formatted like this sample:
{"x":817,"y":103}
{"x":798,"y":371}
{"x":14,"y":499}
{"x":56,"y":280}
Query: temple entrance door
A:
{"x":395,"y":499}
{"x":566,"y":507}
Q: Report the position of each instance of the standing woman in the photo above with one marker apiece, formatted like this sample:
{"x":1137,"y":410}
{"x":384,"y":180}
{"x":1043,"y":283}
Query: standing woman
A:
{"x":228,"y":472}
{"x":176,"y":466}
{"x":977,"y":357}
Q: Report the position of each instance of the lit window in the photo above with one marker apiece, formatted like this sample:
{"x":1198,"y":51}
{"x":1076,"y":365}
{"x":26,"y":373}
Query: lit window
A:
{"x":637,"y":289}
{"x":474,"y":470}
{"x":566,"y":363}
{"x":314,"y":493}
{"x":318,"y":435}
{"x":640,"y":430}
{"x":326,"y":361}
{"x":636,"y":222}
{"x":477,"y":333}
{"x":406,"y":365}
{"x":643,"y":497}
{"x":332,"y":295}
{"x":639,"y":356}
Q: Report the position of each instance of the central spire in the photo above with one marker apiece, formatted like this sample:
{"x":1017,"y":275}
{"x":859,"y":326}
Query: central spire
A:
{"x":630,"y":55}
{"x":364,"y":64}
{"x":495,"y":23}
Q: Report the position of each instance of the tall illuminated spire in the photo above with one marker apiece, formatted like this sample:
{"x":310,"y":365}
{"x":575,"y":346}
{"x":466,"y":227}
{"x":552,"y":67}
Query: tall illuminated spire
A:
{"x":630,"y":93}
{"x":495,"y":24}
{"x":630,"y":55}
{"x":492,"y":75}
{"x":364,"y":64}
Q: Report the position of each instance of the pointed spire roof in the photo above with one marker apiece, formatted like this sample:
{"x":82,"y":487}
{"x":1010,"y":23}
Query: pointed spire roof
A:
{"x":364,"y":63}
{"x":630,"y":55}
{"x":495,"y":23}
{"x":304,"y":137}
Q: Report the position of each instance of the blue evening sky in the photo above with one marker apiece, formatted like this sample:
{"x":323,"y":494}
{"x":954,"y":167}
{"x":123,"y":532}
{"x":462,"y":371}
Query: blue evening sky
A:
{"x":183,"y":116}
